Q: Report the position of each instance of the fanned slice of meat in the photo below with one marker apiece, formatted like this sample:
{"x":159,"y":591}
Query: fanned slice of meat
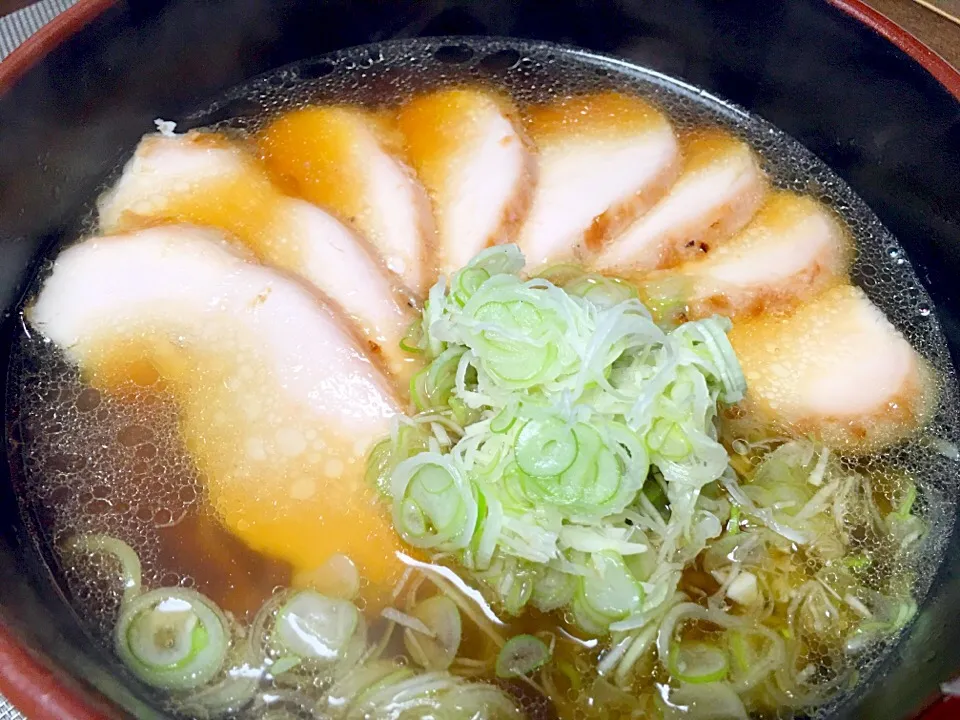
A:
{"x":277,"y":404}
{"x":793,"y":249}
{"x":603,"y":159}
{"x":837,"y":369}
{"x":719,"y":189}
{"x":345,"y":160}
{"x":206,"y":179}
{"x":470,"y":155}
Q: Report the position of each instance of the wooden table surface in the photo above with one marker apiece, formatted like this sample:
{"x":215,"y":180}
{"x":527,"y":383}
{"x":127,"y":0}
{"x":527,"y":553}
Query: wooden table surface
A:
{"x":937,"y":33}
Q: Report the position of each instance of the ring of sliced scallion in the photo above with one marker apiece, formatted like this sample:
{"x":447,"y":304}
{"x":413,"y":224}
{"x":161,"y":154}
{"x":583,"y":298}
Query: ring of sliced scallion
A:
{"x":337,"y":577}
{"x":611,"y":592}
{"x":711,"y":701}
{"x":599,"y":290}
{"x":435,"y":506}
{"x":698,"y":662}
{"x":234,"y":688}
{"x":545,"y":448}
{"x":130,"y":570}
{"x":311,"y":625}
{"x":521,"y":655}
{"x":441,"y":618}
{"x":172,"y":638}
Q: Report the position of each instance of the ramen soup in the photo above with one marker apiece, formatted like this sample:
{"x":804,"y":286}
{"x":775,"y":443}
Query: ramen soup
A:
{"x":484,"y":381}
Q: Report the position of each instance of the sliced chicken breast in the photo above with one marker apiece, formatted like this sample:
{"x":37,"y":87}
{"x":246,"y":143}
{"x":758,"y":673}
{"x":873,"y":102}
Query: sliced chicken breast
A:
{"x":792,"y":250}
{"x":206,"y":179}
{"x":276,"y":402}
{"x":345,"y":160}
{"x":604,"y":159}
{"x":837,"y":369}
{"x":472,"y":158}
{"x":720,"y":187}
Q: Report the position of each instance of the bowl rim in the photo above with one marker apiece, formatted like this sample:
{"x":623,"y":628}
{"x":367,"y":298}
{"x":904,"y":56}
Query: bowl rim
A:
{"x":945,"y":73}
{"x":35,"y":686}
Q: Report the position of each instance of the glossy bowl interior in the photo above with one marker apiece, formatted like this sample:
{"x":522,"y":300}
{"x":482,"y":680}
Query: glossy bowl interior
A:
{"x":875,"y":105}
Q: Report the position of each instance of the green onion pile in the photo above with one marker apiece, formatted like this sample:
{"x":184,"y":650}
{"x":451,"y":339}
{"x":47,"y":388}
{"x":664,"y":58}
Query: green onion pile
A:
{"x":553,"y":415}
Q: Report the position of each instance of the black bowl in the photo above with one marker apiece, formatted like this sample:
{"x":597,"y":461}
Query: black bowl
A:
{"x":868,"y":99}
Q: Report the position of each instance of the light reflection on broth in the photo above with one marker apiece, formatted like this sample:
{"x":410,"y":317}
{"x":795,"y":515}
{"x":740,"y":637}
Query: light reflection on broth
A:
{"x":179,"y":440}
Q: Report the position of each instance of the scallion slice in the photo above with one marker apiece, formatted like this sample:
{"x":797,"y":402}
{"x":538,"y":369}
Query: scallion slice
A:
{"x":611,"y":592}
{"x":442,"y":617}
{"x":521,"y":655}
{"x":697,"y":662}
{"x":172,"y":638}
{"x":311,"y":625}
{"x":545,"y":448}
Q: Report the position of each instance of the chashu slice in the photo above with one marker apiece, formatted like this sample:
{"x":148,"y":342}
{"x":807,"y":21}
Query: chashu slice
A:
{"x":719,"y":189}
{"x":836,"y":369}
{"x":276,"y":402}
{"x":345,"y":160}
{"x":792,"y":250}
{"x":604,"y":159}
{"x":470,"y":155}
{"x":206,"y":179}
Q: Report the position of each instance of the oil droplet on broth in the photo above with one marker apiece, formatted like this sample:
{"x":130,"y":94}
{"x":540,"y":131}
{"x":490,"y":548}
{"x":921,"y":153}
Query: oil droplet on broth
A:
{"x":290,"y":497}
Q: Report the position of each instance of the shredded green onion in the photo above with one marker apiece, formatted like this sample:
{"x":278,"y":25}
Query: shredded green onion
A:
{"x":563,"y":450}
{"x":565,"y":393}
{"x":178,"y":640}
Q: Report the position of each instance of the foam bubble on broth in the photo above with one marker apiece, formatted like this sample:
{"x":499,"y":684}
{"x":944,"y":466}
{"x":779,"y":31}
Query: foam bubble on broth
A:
{"x":270,"y":474}
{"x":253,"y":460}
{"x":101,"y":463}
{"x":94,"y":462}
